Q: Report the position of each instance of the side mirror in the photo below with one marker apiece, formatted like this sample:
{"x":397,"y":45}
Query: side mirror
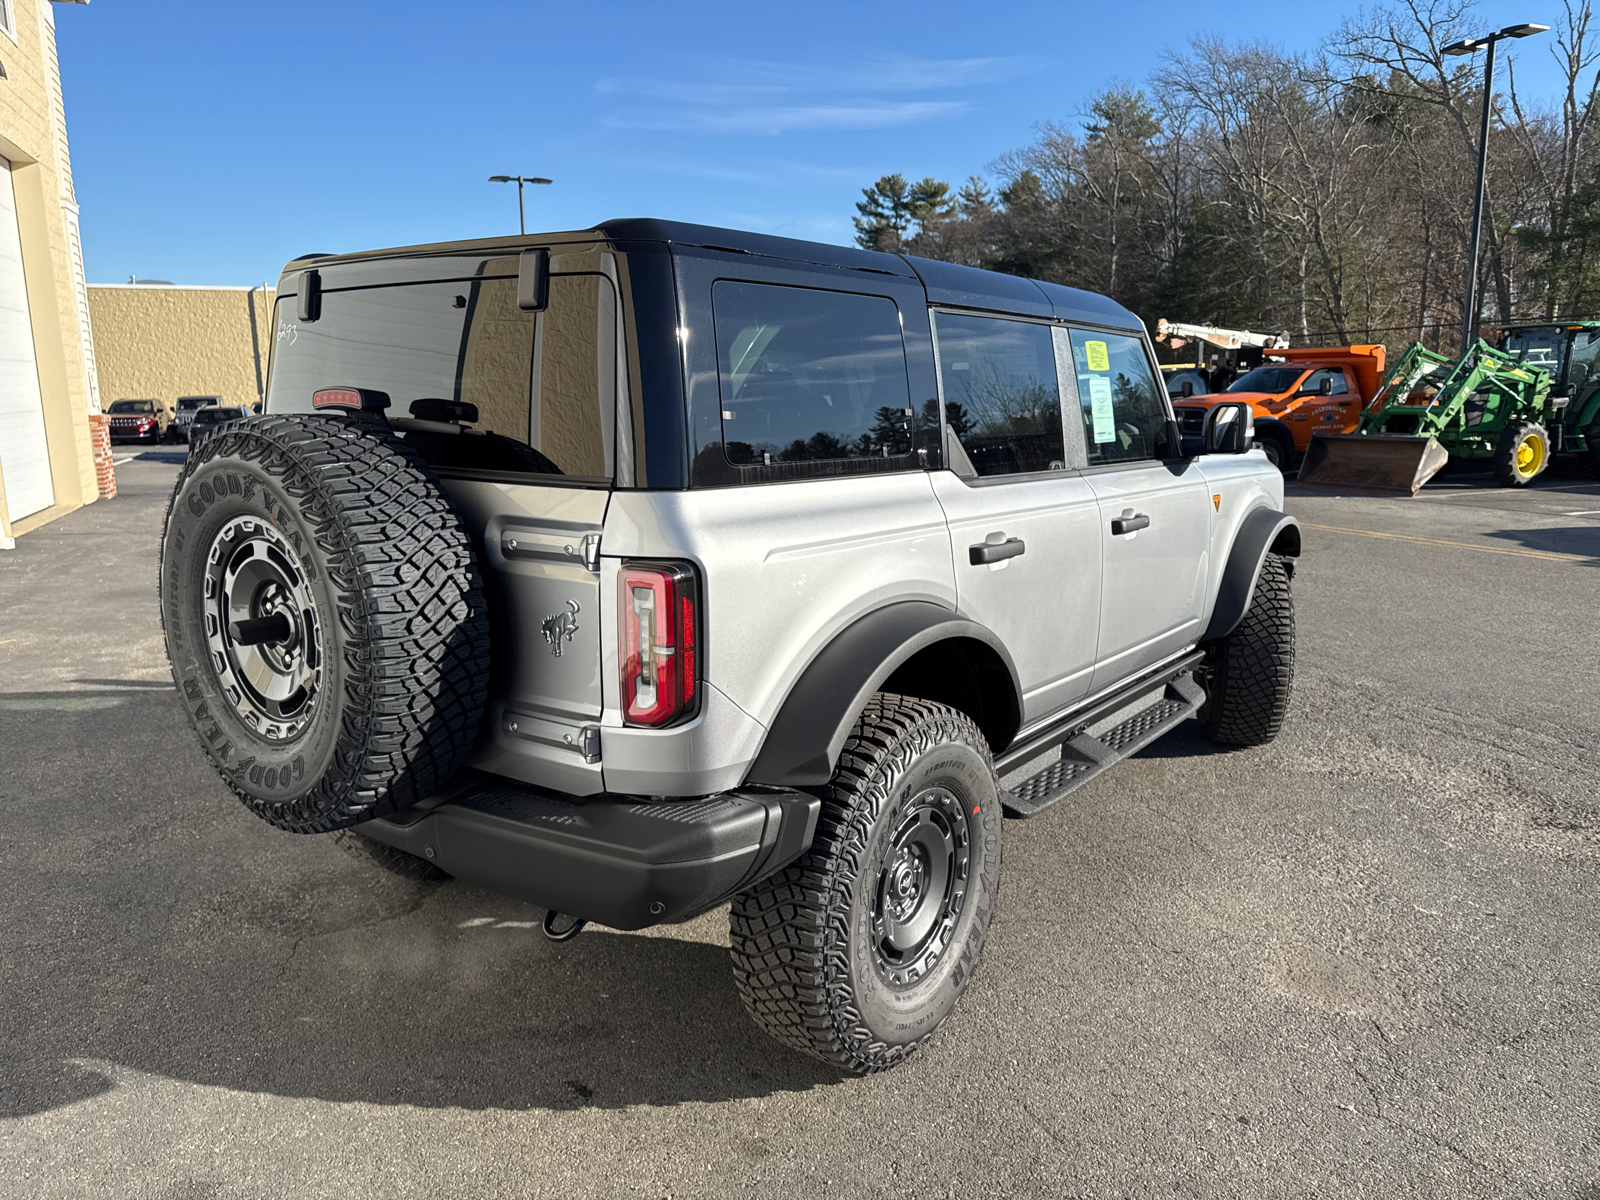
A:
{"x":1325,"y":388}
{"x":1187,"y":389}
{"x":1230,"y":428}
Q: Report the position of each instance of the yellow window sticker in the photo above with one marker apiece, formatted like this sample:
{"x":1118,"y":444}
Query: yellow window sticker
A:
{"x":1095,"y":352}
{"x":1100,"y":410}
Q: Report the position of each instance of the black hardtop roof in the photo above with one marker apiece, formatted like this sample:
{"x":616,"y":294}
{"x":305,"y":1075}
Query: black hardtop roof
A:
{"x":946,"y":283}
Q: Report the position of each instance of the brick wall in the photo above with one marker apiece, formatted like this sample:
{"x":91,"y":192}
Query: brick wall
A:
{"x":100,"y":438}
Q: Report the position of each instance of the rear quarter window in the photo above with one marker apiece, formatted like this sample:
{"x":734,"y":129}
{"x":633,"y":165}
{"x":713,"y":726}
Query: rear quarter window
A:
{"x":812,"y":383}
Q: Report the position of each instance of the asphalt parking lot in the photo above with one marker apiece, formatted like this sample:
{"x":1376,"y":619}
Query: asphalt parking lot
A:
{"x":1359,"y":962}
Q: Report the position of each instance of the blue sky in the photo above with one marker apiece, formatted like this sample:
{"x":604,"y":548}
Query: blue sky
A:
{"x":213,"y":141}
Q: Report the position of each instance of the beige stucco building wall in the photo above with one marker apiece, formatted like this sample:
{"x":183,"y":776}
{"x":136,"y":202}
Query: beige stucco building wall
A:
{"x":155,"y":342}
{"x":33,"y":136}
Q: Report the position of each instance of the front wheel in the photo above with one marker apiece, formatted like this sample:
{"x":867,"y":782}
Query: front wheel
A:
{"x":1250,"y":672}
{"x":858,"y":952}
{"x":1279,"y":455}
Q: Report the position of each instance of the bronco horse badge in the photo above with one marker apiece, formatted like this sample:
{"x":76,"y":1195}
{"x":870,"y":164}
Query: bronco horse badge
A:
{"x":562,"y":626}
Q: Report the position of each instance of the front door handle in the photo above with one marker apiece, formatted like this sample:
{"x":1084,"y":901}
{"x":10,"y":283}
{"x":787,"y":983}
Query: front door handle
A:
{"x":992,"y":552}
{"x":1121,"y":525}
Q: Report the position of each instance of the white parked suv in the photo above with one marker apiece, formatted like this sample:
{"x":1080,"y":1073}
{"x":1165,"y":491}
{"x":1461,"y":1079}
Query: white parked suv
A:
{"x":641,"y":569}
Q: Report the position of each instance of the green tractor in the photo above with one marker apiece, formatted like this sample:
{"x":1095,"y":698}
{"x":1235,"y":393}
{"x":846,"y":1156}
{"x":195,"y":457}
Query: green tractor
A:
{"x":1514,"y":405}
{"x":1569,"y":352}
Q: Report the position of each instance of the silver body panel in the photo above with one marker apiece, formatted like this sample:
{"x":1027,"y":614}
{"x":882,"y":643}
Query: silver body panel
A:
{"x":540,"y":702}
{"x":785,"y":567}
{"x":1153,"y":595}
{"x":1240,"y":483}
{"x":1043,"y":604}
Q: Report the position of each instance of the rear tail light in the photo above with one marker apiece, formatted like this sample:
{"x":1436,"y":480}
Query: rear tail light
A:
{"x":658,"y":609}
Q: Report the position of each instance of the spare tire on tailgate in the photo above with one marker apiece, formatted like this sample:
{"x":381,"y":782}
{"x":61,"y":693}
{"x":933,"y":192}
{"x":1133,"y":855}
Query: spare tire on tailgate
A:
{"x":325,"y":619}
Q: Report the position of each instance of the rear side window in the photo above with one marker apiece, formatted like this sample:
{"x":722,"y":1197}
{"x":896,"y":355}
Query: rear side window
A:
{"x":542,"y":382}
{"x":1123,"y":405}
{"x":1001,"y":395}
{"x":815,"y":382}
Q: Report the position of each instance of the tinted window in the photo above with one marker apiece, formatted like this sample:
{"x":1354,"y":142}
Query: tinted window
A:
{"x":1267,"y":379}
{"x":809,"y":376}
{"x":1537,"y":347}
{"x":1335,"y":378}
{"x":1585,"y":354}
{"x":544,"y":381}
{"x":133,"y":406}
{"x":1001,"y":394}
{"x":1124,"y":408}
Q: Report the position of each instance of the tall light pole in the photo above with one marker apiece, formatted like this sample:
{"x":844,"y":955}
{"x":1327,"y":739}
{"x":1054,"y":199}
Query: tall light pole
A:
{"x":1469,"y":309}
{"x":519,"y":180}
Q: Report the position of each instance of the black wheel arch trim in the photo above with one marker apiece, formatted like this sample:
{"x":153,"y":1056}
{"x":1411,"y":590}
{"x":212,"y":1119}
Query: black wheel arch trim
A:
{"x":1274,"y":428}
{"x":805,"y":740}
{"x":1263,"y":531}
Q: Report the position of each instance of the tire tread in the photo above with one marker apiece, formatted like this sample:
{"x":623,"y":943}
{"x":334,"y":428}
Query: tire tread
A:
{"x":790,"y":933}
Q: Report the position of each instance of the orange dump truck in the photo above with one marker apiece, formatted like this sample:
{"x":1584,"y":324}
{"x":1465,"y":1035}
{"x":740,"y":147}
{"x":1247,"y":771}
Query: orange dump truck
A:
{"x":1296,"y":393}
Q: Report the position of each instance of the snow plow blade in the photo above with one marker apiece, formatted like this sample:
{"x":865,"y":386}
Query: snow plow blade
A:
{"x":1372,"y":462}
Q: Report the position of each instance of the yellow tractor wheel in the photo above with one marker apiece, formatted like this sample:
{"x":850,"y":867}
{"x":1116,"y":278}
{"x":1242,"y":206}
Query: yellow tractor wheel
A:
{"x":1522,"y":454}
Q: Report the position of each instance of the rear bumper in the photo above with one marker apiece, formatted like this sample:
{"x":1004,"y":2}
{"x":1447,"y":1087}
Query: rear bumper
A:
{"x":615,"y":860}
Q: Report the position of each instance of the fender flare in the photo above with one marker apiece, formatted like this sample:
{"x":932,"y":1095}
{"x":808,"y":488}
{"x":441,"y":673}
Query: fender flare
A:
{"x":804,"y":741}
{"x":1263,"y":531}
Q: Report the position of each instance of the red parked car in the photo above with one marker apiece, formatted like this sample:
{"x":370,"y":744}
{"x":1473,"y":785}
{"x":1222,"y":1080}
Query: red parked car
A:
{"x":137,"y":421}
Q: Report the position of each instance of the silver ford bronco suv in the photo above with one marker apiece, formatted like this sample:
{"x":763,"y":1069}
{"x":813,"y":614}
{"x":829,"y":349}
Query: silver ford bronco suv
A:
{"x":653,"y":567}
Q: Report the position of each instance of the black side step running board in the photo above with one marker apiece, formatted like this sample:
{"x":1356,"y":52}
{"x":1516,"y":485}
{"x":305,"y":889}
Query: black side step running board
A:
{"x":1083,"y":757}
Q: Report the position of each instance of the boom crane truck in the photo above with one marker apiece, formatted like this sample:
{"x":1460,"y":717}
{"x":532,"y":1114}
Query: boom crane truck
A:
{"x":1295,"y":394}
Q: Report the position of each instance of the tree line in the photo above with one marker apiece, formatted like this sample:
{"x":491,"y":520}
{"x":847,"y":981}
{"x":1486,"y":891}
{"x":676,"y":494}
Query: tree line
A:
{"x":1325,"y":194}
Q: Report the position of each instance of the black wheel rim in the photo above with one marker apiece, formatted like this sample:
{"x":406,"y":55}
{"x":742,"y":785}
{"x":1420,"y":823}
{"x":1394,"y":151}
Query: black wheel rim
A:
{"x":253,"y":572}
{"x":921,"y":887}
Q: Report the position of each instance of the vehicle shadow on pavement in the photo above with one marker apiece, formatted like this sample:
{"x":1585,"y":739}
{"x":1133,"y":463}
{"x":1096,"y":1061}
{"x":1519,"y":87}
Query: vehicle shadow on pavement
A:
{"x":1185,"y":741}
{"x":153,"y":924}
{"x":1573,"y":539}
{"x":176,"y":455}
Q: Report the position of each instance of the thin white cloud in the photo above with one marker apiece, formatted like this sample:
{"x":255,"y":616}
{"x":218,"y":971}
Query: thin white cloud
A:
{"x":733,"y":96}
{"x":789,"y":118}
{"x":763,"y":172}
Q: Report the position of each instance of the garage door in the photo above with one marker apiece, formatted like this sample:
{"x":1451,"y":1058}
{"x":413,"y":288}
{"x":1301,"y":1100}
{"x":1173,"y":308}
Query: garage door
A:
{"x":24,"y":455}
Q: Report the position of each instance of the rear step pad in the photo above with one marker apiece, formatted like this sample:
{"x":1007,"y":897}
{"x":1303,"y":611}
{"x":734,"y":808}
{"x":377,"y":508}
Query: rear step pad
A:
{"x":1084,"y":757}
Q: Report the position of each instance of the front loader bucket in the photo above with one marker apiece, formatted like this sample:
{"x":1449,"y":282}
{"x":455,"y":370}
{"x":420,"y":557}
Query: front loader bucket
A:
{"x":1372,"y":462}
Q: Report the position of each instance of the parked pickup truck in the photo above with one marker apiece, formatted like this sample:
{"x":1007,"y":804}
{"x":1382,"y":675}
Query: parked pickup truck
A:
{"x":653,"y":567}
{"x":1294,"y":394}
{"x":188,"y":406}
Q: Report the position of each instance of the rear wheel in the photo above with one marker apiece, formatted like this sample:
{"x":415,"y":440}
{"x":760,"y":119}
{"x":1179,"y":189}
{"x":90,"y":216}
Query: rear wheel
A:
{"x":1591,"y":456}
{"x":1522,"y":453}
{"x":1250,"y":672}
{"x":859,"y":951}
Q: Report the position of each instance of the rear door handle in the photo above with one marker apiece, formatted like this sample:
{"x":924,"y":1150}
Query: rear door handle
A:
{"x":991,"y":552}
{"x":1121,"y":525}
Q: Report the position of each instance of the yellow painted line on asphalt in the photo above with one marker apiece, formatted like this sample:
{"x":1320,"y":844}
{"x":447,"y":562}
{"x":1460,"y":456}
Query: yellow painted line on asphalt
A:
{"x":1547,"y":555}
